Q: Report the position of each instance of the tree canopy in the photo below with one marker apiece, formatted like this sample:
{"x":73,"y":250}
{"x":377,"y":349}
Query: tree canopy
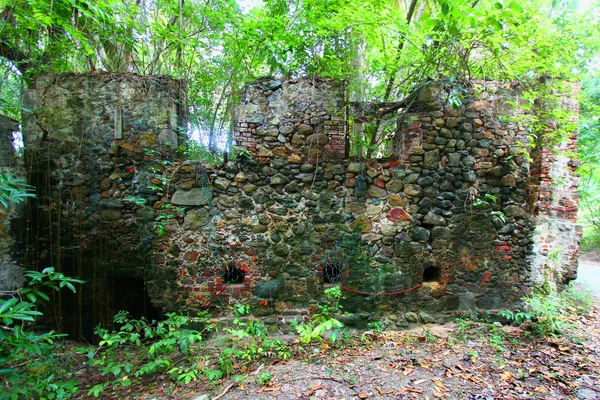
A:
{"x":383,"y":49}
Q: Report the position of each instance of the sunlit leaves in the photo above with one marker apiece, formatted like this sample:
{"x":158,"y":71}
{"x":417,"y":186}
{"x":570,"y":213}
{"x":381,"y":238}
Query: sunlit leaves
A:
{"x":217,"y":48}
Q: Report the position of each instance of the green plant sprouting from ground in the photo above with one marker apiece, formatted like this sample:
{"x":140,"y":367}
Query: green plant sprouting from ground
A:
{"x":181,"y":348}
{"x":140,"y":347}
{"x":30,"y":363}
{"x":551,"y":312}
{"x":324,"y":321}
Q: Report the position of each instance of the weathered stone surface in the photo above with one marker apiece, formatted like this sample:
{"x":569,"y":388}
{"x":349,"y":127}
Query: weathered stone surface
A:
{"x":394,"y":186}
{"x":246,"y":203}
{"x":434,"y":219}
{"x":431,"y":160}
{"x":413,"y":190}
{"x":440,"y":232}
{"x":11,"y":277}
{"x":371,"y":237}
{"x":193,"y":197}
{"x":317,"y":139}
{"x":397,"y":201}
{"x":231,"y":214}
{"x":353,"y":167}
{"x":280,"y":152}
{"x":286,"y":129}
{"x":429,"y":93}
{"x":411,"y":317}
{"x":110,"y":215}
{"x":259,"y":228}
{"x":361,"y":224}
{"x":220,"y":184}
{"x":426,"y":318}
{"x":508,"y":180}
{"x":515,"y":211}
{"x":225,"y":201}
{"x":398,"y":215}
{"x":196,"y":219}
{"x":267,"y":289}
{"x":279,"y":180}
{"x":263,"y":151}
{"x":298,"y":141}
{"x":420,"y":234}
{"x":240,"y":177}
{"x":388,"y":230}
{"x":305,"y":130}
{"x":374,"y":210}
{"x":294,"y":159}
{"x":376,"y":191}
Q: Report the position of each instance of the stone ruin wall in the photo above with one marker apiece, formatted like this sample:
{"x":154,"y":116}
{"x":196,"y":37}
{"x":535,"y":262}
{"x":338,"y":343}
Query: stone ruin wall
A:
{"x":93,"y":140}
{"x":557,"y":234}
{"x":406,"y":239}
{"x":11,"y":275}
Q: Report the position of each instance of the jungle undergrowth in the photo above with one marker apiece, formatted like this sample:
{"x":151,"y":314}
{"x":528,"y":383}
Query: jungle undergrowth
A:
{"x":185,"y":351}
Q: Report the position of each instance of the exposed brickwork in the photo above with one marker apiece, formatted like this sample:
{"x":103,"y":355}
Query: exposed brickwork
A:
{"x":557,"y":234}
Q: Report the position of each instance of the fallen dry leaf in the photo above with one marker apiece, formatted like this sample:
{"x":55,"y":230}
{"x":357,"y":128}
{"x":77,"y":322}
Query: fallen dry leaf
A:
{"x":440,"y":386}
{"x":506,"y":376}
{"x":541,"y":389}
{"x":381,"y":392}
{"x":407,"y":371}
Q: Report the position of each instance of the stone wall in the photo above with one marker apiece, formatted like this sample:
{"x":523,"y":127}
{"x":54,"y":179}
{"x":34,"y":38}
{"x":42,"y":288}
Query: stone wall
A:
{"x":556,"y":237}
{"x":398,"y":237}
{"x":448,"y":227}
{"x":11,"y":275}
{"x":293,"y":119}
{"x":93,"y":141}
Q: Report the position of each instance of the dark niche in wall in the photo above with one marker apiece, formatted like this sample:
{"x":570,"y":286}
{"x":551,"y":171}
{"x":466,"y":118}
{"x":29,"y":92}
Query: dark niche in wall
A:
{"x":98,"y":300}
{"x":233,"y":275}
{"x":432,"y":274}
{"x":131,"y":296}
{"x":332,"y":272}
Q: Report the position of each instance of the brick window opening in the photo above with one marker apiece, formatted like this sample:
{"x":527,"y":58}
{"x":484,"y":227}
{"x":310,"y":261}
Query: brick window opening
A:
{"x":233,"y":275}
{"x":332,"y":273}
{"x":432,"y":275}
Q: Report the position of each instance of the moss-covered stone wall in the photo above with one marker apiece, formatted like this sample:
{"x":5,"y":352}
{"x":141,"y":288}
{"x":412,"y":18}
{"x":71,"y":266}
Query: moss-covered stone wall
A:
{"x":92,"y":141}
{"x":446,"y":227}
{"x":11,"y":275}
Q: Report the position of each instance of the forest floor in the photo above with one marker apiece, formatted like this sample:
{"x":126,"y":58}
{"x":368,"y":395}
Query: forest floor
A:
{"x":461,"y":360}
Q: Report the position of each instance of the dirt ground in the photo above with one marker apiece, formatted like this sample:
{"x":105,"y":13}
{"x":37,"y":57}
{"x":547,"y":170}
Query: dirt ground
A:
{"x":428,"y":364}
{"x":462,"y":360}
{"x":468,"y":360}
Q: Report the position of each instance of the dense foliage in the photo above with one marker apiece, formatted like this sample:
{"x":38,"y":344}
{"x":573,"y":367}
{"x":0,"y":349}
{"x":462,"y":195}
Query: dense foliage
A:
{"x":383,"y":48}
{"x":589,"y":153}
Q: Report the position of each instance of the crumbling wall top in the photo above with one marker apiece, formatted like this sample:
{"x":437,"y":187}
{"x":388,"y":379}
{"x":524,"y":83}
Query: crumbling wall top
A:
{"x":299,"y":119}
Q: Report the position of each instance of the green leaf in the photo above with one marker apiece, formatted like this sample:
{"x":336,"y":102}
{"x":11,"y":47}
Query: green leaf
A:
{"x":6,"y":304}
{"x":515,"y":6}
{"x":445,"y":8}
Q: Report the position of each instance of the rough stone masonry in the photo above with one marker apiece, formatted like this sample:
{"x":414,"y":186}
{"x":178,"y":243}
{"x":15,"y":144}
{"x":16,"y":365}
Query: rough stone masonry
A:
{"x":465,"y":218}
